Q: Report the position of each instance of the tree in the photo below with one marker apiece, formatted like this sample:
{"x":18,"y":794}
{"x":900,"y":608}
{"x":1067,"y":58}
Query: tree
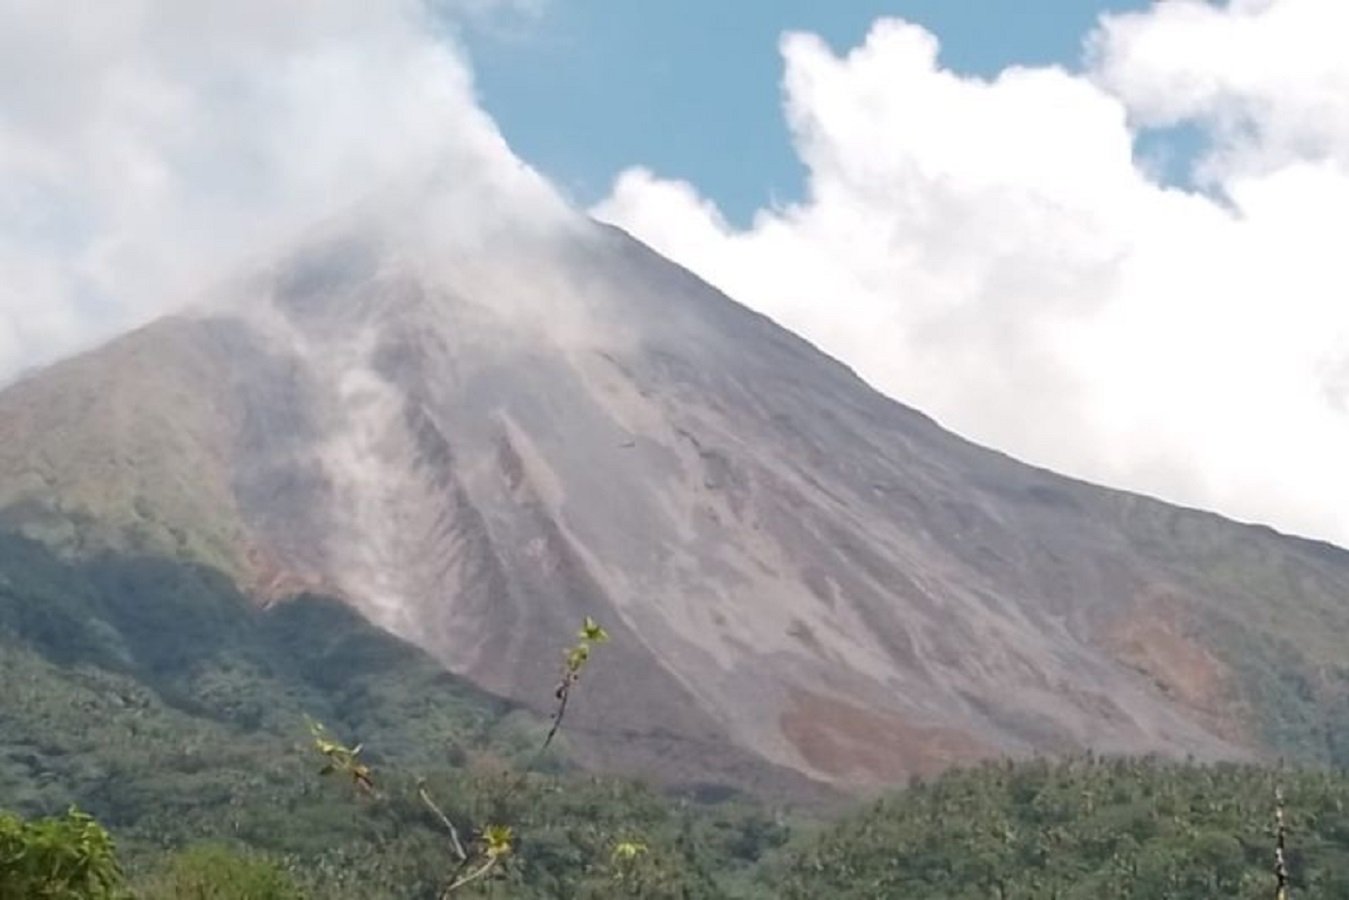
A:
{"x":66,"y":858}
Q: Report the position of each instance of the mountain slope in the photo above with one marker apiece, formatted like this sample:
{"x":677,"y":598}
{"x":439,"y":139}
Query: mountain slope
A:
{"x":476,"y":444}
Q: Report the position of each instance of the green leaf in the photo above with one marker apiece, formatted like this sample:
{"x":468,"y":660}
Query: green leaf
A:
{"x":625,"y":850}
{"x":577,"y":657}
{"x":498,"y":840}
{"x":593,"y":632}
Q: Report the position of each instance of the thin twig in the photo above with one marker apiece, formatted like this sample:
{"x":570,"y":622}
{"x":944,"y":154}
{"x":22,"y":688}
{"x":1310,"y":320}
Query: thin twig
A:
{"x":470,"y":877}
{"x":563,"y":693}
{"x":444,"y":820}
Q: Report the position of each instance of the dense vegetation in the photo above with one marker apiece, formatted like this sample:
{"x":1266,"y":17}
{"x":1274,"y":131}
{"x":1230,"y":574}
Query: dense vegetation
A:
{"x":1277,"y":619}
{"x":1080,"y":829}
{"x":67,"y":857}
{"x":154,"y":697}
{"x":1098,"y":829}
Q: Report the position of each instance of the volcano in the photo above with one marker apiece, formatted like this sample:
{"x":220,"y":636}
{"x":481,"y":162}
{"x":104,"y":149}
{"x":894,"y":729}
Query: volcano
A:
{"x":477,"y":442}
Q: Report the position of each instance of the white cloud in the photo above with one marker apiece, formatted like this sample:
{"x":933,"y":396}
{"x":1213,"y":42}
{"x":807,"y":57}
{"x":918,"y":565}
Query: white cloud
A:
{"x":147,"y":147}
{"x":1270,"y":78}
{"x":990,"y":251}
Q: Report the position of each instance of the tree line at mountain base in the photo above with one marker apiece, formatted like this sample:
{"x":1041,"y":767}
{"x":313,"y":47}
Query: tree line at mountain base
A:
{"x":1072,"y":830}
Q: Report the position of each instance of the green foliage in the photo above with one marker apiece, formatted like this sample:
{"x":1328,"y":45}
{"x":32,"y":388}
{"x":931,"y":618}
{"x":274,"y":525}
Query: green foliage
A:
{"x":484,"y":857}
{"x":156,"y":696}
{"x":1272,"y":611}
{"x":592,"y":633}
{"x":574,"y":661}
{"x":497,"y":841}
{"x":1299,"y":706}
{"x":1083,"y":830}
{"x":216,"y":872}
{"x":340,"y":759}
{"x":65,"y":858}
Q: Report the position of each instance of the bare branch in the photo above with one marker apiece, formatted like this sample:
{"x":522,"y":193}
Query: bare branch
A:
{"x":444,"y":820}
{"x":470,"y":877}
{"x":563,"y":694}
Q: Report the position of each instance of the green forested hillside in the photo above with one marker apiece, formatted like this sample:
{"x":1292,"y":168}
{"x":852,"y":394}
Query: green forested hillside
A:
{"x":118,"y":670}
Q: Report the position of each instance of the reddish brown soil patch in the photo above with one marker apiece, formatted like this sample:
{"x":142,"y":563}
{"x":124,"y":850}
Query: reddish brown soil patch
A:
{"x":854,"y":744}
{"x":268,"y":581}
{"x":1157,"y":640}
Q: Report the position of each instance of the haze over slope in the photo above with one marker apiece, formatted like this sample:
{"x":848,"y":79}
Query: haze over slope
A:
{"x":477,"y":427}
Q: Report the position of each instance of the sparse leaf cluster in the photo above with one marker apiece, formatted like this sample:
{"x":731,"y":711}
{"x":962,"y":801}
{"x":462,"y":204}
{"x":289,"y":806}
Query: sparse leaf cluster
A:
{"x":494,"y":842}
{"x":341,"y":760}
{"x":574,"y":663}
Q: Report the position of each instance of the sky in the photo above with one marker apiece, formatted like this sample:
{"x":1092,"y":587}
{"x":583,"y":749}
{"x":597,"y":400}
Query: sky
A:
{"x":1103,"y":237}
{"x":585,"y":88}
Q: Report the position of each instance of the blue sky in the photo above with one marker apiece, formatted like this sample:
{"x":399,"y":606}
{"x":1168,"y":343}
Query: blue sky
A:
{"x":691,"y":89}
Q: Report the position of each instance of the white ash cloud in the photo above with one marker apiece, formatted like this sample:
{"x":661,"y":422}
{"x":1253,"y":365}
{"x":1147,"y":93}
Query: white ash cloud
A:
{"x":148,"y":148}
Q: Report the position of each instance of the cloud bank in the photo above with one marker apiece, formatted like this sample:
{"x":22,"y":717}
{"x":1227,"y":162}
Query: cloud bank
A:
{"x":998,"y":254}
{"x":147,"y":148}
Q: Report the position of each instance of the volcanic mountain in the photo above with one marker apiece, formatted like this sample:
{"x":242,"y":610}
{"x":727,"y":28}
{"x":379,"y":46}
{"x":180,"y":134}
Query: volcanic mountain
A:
{"x":478,"y":442}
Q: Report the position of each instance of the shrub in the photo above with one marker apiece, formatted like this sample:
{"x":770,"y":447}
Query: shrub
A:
{"x":216,"y":872}
{"x":66,"y":858}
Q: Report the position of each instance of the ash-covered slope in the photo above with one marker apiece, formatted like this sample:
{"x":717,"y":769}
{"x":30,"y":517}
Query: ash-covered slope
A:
{"x":478,"y":444}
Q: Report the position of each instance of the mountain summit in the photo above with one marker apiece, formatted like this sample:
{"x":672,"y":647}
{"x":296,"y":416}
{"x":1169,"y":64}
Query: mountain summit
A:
{"x":476,"y":442}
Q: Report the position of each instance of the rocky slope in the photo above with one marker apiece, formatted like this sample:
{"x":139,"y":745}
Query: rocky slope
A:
{"x":476,"y":444}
